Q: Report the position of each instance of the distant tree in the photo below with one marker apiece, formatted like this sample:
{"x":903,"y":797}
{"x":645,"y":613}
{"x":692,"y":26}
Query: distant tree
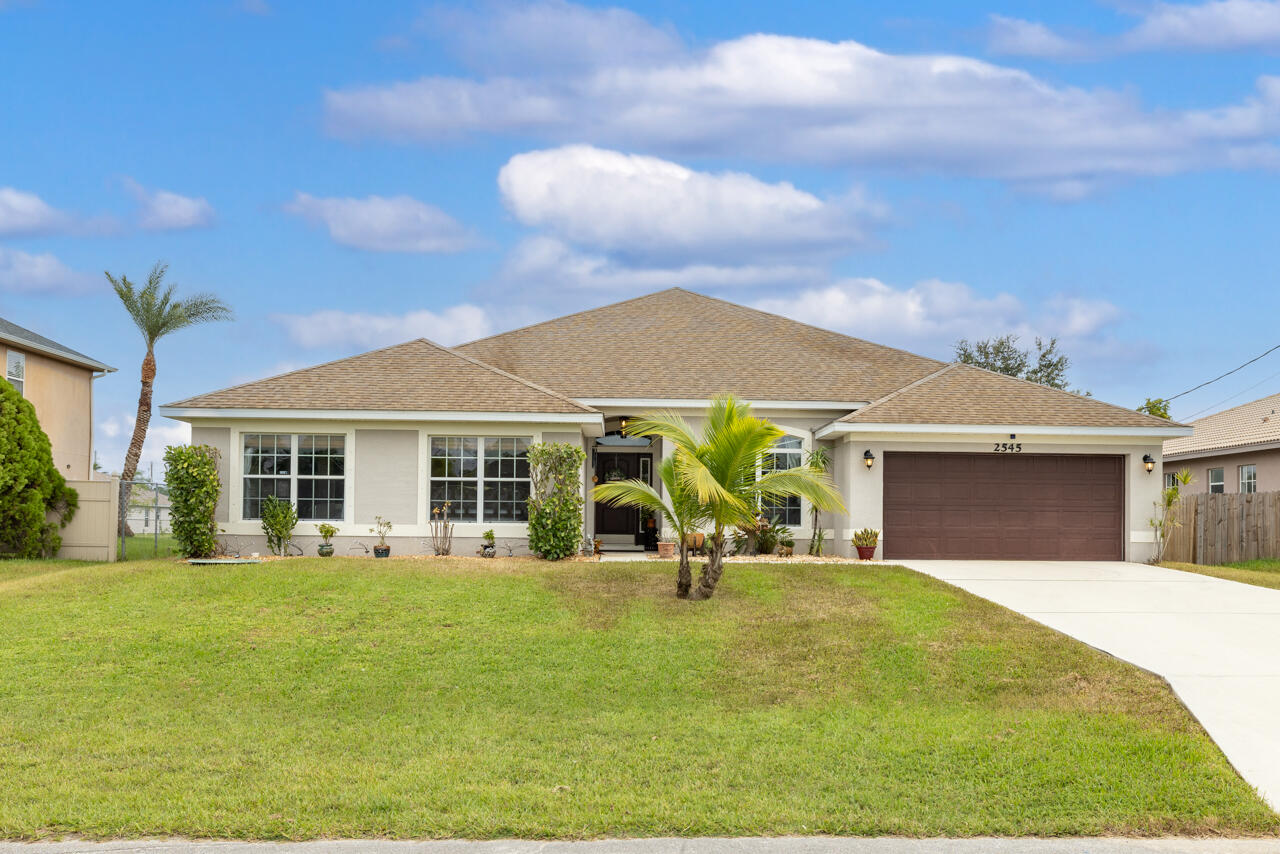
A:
{"x":1002,"y":354}
{"x":1157,"y":406}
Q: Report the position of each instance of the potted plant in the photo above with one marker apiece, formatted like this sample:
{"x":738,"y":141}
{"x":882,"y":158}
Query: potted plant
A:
{"x":327,"y":531}
{"x":381,"y":527}
{"x":786,"y":545}
{"x":865,"y":542}
{"x":666,"y":549}
{"x":488,"y":545}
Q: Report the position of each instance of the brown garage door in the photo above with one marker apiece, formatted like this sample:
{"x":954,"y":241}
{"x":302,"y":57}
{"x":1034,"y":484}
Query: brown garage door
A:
{"x":1010,"y":506}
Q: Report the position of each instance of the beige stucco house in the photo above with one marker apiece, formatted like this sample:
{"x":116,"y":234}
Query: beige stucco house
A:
{"x":1236,"y":450}
{"x":948,"y":460}
{"x":59,"y":383}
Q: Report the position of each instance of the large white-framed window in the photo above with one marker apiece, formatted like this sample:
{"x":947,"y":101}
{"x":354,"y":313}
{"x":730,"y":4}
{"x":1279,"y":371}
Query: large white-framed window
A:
{"x":483,"y":478}
{"x":308,"y":469}
{"x":1249,"y":478}
{"x":15,"y":369}
{"x":788,"y":453}
{"x":1217,"y":483}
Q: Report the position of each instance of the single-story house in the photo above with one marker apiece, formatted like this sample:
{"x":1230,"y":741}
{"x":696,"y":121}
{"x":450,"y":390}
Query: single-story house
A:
{"x":59,"y":383}
{"x":1236,"y":450}
{"x":947,"y":459}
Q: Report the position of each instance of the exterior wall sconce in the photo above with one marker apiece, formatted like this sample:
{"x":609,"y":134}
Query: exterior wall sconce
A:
{"x":1149,"y":463}
{"x":868,"y":459}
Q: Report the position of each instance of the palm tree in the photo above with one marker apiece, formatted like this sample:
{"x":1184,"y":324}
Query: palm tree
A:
{"x":156,"y":313}
{"x":721,"y":469}
{"x":679,"y":508}
{"x":819,"y":460}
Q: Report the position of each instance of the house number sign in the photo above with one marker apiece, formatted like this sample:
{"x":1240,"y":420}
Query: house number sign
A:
{"x":1008,"y":448}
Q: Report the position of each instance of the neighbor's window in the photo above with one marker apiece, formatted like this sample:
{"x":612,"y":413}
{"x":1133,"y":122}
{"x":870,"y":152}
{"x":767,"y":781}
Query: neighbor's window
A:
{"x":15,"y":369}
{"x":1170,"y":480}
{"x":497,"y":491}
{"x":1216,"y":481}
{"x":1249,"y":478}
{"x":787,"y":453}
{"x":315,"y":474}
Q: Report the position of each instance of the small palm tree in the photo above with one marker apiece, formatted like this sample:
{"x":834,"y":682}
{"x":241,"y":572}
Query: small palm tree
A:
{"x":156,"y":314}
{"x":819,"y":460}
{"x":721,"y":469}
{"x":679,"y":508}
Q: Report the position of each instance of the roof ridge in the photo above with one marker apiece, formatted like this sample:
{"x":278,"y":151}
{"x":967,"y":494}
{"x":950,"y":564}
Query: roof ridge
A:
{"x":1235,"y":408}
{"x":536,"y":324}
{"x":900,"y":391}
{"x":557,"y":395}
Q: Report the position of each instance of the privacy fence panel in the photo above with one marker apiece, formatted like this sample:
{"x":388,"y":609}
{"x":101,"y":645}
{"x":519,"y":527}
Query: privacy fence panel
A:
{"x":91,"y":535}
{"x":1226,"y":528}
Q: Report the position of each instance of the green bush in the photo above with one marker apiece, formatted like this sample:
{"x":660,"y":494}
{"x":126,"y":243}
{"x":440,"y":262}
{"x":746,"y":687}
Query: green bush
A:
{"x":279,"y":518}
{"x":555,"y":499}
{"x":191,"y":473}
{"x":31,"y":488}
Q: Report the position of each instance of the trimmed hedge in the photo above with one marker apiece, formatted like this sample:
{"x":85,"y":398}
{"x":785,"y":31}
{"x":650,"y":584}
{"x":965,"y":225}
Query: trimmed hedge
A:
{"x":31,"y":487}
{"x":191,"y":473}
{"x":555,"y":499}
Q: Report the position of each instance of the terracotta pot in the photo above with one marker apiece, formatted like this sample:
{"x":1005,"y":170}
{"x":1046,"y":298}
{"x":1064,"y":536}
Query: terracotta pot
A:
{"x":666,"y":550}
{"x":695,"y":541}
{"x":382,"y":551}
{"x":866,"y":552}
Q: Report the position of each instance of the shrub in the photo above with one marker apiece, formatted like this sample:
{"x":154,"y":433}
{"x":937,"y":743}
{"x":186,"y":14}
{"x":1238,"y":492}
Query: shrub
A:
{"x":31,"y":488}
{"x":191,"y":473}
{"x":555,"y":499}
{"x":279,"y":518}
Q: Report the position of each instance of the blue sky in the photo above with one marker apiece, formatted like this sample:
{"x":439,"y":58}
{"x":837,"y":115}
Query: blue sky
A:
{"x":351,"y":175}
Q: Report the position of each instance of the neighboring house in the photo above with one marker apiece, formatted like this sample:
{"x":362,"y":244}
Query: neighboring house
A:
{"x":949,"y":460}
{"x":1236,"y":450}
{"x":59,"y":383}
{"x":148,"y":510}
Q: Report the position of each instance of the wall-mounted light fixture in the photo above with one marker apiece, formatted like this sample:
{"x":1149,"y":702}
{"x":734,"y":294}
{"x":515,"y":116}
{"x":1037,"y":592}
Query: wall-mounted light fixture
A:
{"x":868,"y":459}
{"x":1149,"y":463}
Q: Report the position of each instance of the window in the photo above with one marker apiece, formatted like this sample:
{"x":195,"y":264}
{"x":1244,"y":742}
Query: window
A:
{"x":1216,"y":481}
{"x":271,"y":470}
{"x":15,"y":369}
{"x":1249,"y":478}
{"x":1170,"y":480}
{"x":498,"y":491}
{"x":787,"y":454}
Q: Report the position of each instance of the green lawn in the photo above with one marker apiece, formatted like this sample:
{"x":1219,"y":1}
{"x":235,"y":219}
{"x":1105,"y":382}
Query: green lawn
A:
{"x":419,"y":698}
{"x":1263,"y":573}
{"x":148,"y":546}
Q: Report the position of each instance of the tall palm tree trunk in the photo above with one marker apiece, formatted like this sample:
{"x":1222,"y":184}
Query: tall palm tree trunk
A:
{"x":144,"y":418}
{"x":712,"y":569}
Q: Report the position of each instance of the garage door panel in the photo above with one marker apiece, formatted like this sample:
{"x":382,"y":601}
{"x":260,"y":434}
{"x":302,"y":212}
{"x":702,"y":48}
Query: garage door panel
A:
{"x":992,"y":506}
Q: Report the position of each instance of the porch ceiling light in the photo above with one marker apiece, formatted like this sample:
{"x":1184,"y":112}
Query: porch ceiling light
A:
{"x":1149,"y":463}
{"x":868,"y":458}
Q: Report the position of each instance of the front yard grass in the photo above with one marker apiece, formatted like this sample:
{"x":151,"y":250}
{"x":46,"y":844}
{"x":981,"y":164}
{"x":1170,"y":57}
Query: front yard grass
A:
{"x":1262,"y":573}
{"x":419,"y":698}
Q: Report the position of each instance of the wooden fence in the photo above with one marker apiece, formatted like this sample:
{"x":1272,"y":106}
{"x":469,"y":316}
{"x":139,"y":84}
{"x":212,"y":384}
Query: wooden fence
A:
{"x":1226,"y":528}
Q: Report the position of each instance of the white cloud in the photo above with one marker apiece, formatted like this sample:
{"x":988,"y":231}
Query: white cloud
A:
{"x":1016,"y":37}
{"x":384,"y":224}
{"x":332,"y":328}
{"x":645,"y":207}
{"x":790,"y":99}
{"x":22,"y":272}
{"x":26,"y":213}
{"x":550,"y":36}
{"x":1219,"y":25}
{"x":163,"y":210}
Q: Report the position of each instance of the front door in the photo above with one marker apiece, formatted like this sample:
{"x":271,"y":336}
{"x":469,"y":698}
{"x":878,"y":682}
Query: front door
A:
{"x":611,"y":467}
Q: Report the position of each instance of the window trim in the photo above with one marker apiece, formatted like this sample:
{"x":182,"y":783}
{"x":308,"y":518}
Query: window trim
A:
{"x":1222,"y":473}
{"x":1252,"y":481}
{"x":21,"y":385}
{"x":294,"y":435}
{"x":479,"y":480}
{"x":800,"y":528}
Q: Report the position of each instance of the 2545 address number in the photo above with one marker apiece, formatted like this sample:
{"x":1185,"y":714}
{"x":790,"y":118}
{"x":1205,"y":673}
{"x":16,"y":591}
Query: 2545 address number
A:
{"x":1008,"y":448}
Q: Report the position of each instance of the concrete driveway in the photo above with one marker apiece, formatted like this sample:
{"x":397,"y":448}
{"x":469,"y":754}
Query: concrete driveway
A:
{"x":1216,"y":642}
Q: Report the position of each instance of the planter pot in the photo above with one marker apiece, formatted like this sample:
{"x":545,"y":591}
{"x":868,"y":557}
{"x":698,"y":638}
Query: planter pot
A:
{"x":786,"y":551}
{"x":488,"y":550}
{"x":694,"y":541}
{"x":382,"y":551}
{"x":325,"y":550}
{"x":866,"y":552}
{"x":666,"y":550}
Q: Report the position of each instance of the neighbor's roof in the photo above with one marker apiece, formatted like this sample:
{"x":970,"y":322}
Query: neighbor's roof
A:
{"x":964,"y":394}
{"x":25,"y":338}
{"x":680,"y":345}
{"x":417,"y":376}
{"x":1255,"y":423}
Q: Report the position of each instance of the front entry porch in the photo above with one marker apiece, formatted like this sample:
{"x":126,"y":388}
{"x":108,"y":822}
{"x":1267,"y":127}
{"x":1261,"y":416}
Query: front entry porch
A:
{"x":623,"y":529}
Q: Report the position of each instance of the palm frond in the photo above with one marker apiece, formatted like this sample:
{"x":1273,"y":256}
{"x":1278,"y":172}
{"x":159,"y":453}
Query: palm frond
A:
{"x":155,"y":310}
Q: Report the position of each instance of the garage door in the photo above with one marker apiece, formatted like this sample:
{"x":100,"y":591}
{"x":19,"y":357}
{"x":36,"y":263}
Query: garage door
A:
{"x":1003,"y":506}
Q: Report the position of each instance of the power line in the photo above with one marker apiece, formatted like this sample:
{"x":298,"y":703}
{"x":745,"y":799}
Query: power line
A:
{"x":1227,"y":374}
{"x":1231,"y":398}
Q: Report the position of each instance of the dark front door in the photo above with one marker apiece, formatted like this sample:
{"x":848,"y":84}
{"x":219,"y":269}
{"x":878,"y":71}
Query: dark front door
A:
{"x":1010,"y":506}
{"x":617,"y":520}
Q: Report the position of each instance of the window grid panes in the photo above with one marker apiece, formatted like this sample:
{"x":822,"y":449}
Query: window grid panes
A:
{"x":15,"y":369}
{"x":1216,"y":481}
{"x":454,"y":476}
{"x":787,"y":454}
{"x":1249,"y":478}
{"x":506,"y":480}
{"x":485,"y":479}
{"x":282,"y":465}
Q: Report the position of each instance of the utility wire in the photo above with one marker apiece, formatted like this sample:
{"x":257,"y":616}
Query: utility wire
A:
{"x":1227,"y":374}
{"x":1231,"y":398}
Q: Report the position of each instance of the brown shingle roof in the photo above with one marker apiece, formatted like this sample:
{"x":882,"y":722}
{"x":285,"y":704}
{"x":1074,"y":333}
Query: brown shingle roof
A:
{"x":963,"y":394}
{"x":417,"y":376}
{"x":1254,"y":423}
{"x":678,"y":344}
